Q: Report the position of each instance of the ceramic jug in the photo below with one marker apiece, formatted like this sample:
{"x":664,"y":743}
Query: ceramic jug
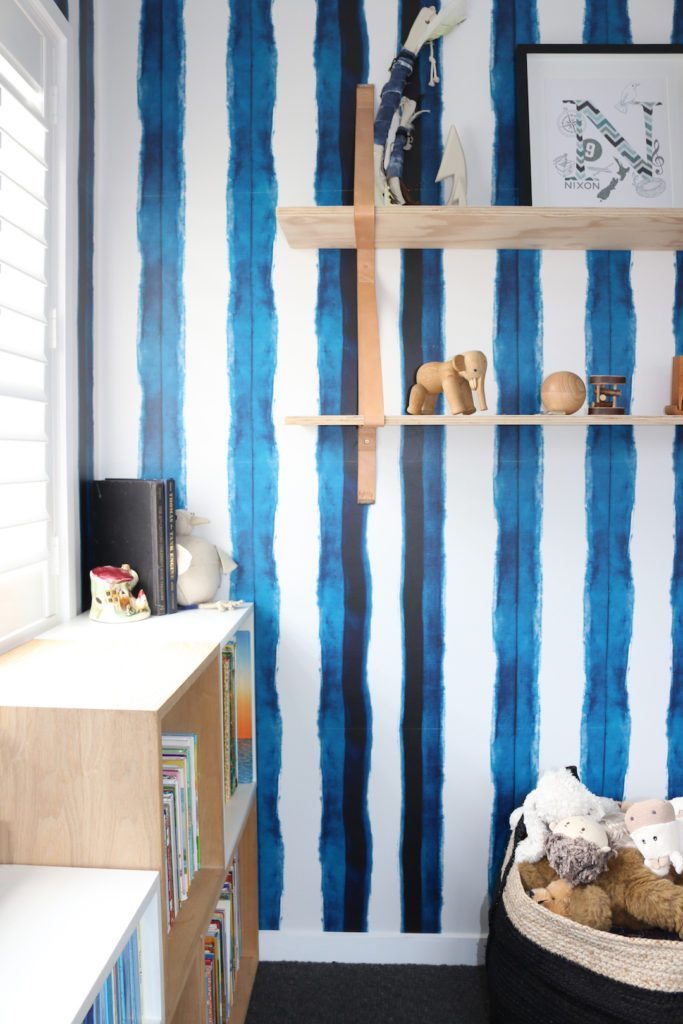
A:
{"x":111,"y":588}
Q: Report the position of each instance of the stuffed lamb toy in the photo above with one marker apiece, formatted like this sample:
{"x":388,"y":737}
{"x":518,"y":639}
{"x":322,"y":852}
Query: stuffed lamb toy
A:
{"x":656,"y":832}
{"x":558,"y":794}
{"x":578,"y":849}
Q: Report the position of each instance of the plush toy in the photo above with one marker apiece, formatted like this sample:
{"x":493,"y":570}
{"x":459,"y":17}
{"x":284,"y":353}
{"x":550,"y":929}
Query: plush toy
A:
{"x":588,"y":904}
{"x":200,"y":563}
{"x":558,"y":795}
{"x":637,"y":899}
{"x":578,"y":849}
{"x":656,"y":834}
{"x":580,"y":826}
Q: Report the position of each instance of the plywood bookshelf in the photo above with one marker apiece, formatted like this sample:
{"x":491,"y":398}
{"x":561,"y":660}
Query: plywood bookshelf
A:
{"x":82,"y":712}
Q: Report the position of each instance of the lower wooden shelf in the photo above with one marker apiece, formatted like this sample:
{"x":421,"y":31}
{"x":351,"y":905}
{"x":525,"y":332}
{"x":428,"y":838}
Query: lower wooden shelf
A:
{"x":477,"y":420}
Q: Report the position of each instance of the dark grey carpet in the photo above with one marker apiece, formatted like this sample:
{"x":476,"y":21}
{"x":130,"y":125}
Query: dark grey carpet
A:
{"x":367,"y":994}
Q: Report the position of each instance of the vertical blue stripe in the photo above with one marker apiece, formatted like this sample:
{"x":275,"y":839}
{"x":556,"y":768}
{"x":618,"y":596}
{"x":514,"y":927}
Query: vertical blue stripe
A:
{"x":161,"y":239}
{"x":344,"y":593}
{"x":675,"y":711}
{"x":519,"y":459}
{"x":252,"y":348}
{"x":86,"y":227}
{"x":677,"y":27}
{"x":423,"y":490}
{"x":606,"y":23}
{"x":610,"y":492}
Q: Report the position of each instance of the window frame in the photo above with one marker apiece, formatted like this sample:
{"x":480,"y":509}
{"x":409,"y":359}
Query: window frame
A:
{"x":61,"y":306}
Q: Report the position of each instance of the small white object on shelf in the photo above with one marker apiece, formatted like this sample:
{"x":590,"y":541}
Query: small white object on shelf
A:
{"x":453,"y":166}
{"x":201,"y":564}
{"x":220,"y":606}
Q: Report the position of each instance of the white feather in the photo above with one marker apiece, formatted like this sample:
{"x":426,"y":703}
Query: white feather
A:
{"x":431,"y":24}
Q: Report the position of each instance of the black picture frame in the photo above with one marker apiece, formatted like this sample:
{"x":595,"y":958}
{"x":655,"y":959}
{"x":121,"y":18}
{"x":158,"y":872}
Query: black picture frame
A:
{"x":526,"y":187}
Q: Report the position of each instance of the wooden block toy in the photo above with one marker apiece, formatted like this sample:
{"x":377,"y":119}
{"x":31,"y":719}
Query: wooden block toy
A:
{"x":607,"y":390}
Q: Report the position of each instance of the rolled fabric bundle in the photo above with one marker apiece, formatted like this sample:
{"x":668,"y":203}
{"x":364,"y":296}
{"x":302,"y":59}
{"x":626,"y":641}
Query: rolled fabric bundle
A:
{"x":390,"y":97}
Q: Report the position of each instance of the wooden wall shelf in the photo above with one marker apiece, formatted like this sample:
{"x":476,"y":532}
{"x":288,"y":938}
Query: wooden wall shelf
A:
{"x":521,"y":420}
{"x":485,"y":227}
{"x":365,"y":228}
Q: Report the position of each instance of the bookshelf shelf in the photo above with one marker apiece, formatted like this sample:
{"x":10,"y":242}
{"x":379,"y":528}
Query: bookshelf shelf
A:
{"x":53,"y":907}
{"x":94,"y":700}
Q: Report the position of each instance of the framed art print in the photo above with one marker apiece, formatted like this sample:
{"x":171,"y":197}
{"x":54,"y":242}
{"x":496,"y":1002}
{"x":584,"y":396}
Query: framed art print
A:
{"x":601,"y":126}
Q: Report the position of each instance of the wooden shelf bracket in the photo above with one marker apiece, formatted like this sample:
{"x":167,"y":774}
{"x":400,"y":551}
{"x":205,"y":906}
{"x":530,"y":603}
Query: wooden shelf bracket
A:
{"x":370,"y":389}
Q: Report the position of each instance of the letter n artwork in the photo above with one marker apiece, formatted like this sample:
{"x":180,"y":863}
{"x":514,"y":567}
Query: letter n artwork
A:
{"x":618,"y":157}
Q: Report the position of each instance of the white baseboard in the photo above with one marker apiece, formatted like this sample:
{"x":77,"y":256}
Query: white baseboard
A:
{"x":372,"y":947}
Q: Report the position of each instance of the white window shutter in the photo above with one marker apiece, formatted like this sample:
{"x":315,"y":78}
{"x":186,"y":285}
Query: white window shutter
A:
{"x":27,"y":543}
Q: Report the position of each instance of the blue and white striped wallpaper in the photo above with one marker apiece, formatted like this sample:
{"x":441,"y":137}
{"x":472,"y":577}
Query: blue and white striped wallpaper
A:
{"x":513,"y":600}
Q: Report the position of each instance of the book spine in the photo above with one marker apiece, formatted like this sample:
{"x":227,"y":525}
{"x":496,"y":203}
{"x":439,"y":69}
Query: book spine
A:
{"x":160,"y":596}
{"x":171,"y":563}
{"x":225,"y":659}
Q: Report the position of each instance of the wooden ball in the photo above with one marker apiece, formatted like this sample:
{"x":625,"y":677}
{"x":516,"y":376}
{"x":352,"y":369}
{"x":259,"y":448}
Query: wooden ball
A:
{"x":563,"y":392}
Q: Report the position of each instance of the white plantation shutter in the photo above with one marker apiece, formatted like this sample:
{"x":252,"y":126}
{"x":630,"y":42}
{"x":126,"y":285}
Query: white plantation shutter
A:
{"x":27,"y":417}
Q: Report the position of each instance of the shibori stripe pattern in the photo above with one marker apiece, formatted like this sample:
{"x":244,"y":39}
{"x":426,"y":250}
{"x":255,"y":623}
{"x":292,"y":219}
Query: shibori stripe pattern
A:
{"x":252,"y":453}
{"x":610,"y":493}
{"x":161,"y":214}
{"x":519,"y":461}
{"x":675,"y":713}
{"x":344,"y":596}
{"x":422,"y":472}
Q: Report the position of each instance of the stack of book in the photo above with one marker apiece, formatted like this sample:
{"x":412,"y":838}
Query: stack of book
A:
{"x":222,"y":950}
{"x":181,"y":817}
{"x":133,"y":522}
{"x":229,"y":655}
{"x":120,"y":998}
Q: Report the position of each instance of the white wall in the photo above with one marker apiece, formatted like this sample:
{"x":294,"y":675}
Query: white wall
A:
{"x":470,"y":527}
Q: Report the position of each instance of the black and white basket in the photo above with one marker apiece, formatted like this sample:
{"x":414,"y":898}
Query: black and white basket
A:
{"x":546,"y":969}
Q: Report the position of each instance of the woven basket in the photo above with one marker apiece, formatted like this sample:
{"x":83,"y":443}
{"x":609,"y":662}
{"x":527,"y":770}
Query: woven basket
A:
{"x":547,"y":969}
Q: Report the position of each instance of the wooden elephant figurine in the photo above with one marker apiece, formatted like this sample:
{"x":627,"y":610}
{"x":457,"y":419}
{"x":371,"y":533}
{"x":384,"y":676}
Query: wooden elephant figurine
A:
{"x":457,"y":378}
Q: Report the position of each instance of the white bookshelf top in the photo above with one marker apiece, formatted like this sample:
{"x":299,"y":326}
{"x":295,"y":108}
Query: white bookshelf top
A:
{"x":189,"y":625}
{"x":136,"y":666}
{"x":61,"y":931}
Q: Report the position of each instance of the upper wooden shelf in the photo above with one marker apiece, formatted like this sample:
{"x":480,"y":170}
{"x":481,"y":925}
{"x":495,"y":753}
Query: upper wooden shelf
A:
{"x":485,"y":227}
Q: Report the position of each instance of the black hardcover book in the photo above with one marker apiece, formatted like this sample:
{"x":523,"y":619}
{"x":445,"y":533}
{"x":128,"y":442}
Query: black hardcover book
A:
{"x":128,"y":526}
{"x":171,"y":564}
